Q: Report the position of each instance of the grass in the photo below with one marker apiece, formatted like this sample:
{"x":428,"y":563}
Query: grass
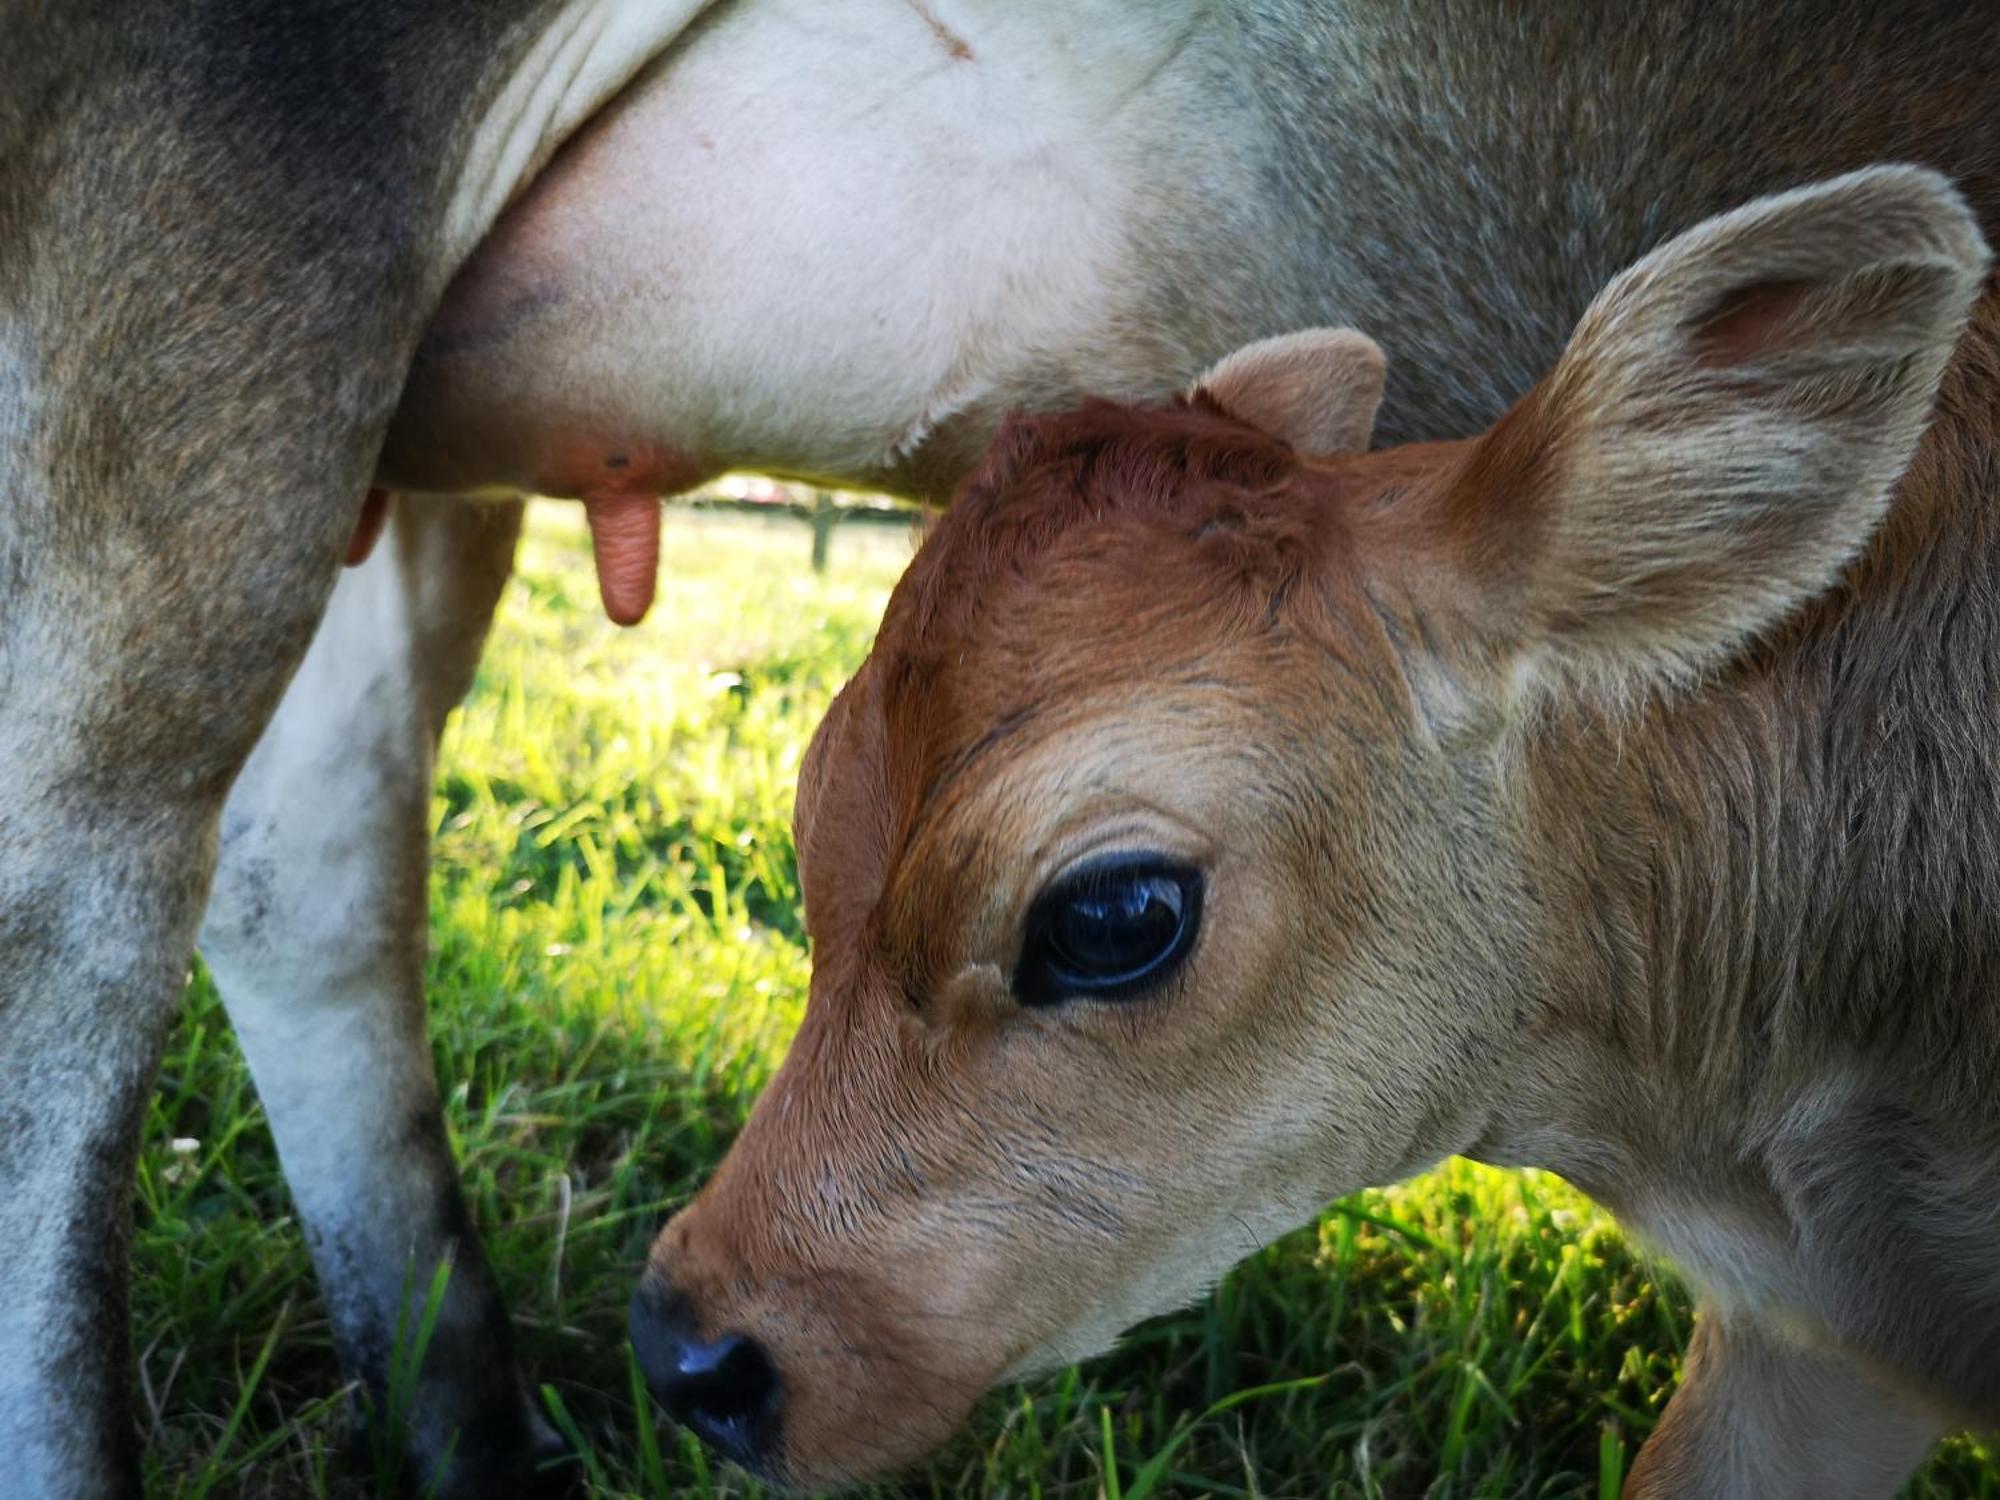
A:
{"x":617,"y":963}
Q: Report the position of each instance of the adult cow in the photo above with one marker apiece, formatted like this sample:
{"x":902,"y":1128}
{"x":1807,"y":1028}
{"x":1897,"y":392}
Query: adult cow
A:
{"x":822,"y":239}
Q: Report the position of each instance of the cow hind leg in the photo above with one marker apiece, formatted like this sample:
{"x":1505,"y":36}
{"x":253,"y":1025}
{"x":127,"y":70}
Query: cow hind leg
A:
{"x":315,"y":934}
{"x":1760,"y":1413}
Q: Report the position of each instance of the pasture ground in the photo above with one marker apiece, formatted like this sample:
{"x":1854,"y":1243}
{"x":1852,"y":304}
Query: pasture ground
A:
{"x":617,"y":965}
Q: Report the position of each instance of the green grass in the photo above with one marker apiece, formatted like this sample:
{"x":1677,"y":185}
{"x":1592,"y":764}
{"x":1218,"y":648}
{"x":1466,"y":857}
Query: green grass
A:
{"x":617,"y":965}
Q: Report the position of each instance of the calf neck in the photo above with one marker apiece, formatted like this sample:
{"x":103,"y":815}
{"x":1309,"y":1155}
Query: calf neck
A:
{"x":1228,"y":818}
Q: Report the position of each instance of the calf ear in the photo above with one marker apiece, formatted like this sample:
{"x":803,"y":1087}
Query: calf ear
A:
{"x":1725,"y":429}
{"x":1316,"y":389}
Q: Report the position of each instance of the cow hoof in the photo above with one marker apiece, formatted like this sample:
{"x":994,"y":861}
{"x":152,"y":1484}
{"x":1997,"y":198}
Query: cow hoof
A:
{"x":521,"y":1459}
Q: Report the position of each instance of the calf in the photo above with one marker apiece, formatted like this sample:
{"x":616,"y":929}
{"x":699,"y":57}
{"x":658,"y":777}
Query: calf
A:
{"x":1228,"y":818}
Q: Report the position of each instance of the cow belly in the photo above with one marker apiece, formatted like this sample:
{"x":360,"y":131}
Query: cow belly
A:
{"x":814,"y":241}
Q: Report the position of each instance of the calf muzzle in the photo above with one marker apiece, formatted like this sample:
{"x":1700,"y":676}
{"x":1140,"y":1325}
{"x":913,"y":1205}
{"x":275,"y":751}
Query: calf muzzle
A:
{"x":725,"y":1390}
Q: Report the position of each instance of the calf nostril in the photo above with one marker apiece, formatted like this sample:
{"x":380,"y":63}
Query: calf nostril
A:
{"x":730,"y":1380}
{"x":725,"y":1390}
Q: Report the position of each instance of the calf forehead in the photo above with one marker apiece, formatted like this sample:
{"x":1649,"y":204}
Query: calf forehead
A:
{"x":1051,"y":482}
{"x":1108,"y":565}
{"x":1095,"y":541}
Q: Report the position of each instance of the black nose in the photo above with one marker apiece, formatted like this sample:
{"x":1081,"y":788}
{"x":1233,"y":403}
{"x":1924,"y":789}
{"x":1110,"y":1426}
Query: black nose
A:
{"x":724,"y":1390}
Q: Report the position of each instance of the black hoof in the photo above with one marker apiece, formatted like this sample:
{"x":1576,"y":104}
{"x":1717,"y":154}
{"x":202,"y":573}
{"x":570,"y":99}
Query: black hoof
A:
{"x":515,"y":1457}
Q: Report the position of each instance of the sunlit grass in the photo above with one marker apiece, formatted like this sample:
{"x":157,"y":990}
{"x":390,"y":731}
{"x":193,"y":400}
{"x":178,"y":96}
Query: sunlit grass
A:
{"x":617,"y":962}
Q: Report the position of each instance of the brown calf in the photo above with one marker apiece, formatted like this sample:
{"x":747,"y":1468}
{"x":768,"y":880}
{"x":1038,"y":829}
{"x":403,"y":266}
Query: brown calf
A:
{"x":1228,"y":818}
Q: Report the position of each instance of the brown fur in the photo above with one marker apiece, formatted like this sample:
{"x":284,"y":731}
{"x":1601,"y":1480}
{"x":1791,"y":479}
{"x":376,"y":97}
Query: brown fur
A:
{"x":1552,"y":810}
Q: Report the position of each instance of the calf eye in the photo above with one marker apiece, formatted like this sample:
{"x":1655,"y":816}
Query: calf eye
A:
{"x":1108,"y":930}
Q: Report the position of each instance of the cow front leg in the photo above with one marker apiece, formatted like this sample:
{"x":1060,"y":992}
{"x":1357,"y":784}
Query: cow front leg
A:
{"x":1762,"y":1414}
{"x":153,"y":605}
{"x":97,"y":911}
{"x":315,"y":934}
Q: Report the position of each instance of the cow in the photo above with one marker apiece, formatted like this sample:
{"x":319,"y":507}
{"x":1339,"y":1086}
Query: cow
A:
{"x":263,"y":265}
{"x":1228,"y":817}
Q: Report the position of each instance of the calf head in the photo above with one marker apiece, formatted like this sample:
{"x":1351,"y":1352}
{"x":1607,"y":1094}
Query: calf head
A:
{"x":1163,"y":865}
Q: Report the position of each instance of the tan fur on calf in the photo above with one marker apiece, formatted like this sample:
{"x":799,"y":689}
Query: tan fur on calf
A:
{"x":1726,"y":424}
{"x":1544,"y":808}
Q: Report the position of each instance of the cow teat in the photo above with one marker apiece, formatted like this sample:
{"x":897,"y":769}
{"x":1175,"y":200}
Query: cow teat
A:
{"x":625,"y":543}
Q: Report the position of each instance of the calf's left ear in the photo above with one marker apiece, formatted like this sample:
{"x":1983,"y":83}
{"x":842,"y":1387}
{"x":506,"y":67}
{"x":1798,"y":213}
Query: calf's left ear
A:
{"x":1724,"y":431}
{"x":1316,"y":389}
